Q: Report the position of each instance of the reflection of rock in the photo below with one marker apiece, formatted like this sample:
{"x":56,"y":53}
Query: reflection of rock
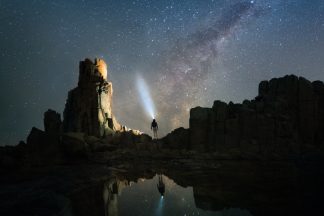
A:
{"x":88,"y":200}
{"x":112,"y":189}
{"x":88,"y":107}
{"x":268,"y":188}
{"x":285,"y":119}
{"x":246,"y":188}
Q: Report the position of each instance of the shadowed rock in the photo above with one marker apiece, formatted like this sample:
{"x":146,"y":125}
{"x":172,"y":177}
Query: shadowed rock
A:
{"x":285,"y":120}
{"x":52,"y":122}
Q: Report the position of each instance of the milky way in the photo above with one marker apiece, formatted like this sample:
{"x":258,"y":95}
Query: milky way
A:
{"x":190,"y":53}
{"x":188,"y":63}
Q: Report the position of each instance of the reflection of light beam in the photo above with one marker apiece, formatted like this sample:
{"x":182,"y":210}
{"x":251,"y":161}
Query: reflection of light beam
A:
{"x":145,"y":96}
{"x":160,"y":205}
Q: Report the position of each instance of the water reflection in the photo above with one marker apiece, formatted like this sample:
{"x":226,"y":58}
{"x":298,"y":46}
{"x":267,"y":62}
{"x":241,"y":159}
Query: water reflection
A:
{"x":240,"y":189}
{"x":111,"y":192}
{"x":258,"y":188}
{"x":161,"y":185}
{"x":159,"y":195}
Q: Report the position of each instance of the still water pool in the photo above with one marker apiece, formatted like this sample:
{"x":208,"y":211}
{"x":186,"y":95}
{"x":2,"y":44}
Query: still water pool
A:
{"x":159,"y":195}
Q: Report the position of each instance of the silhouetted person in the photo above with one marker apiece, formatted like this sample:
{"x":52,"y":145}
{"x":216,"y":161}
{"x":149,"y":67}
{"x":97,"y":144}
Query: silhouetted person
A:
{"x":160,"y":185}
{"x":154,"y":127}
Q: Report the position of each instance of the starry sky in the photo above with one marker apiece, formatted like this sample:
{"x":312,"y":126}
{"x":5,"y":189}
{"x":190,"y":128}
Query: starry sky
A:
{"x":190,"y":52}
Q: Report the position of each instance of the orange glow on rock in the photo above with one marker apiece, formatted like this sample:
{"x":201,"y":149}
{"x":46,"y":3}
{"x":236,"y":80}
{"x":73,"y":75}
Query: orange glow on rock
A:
{"x":102,"y":67}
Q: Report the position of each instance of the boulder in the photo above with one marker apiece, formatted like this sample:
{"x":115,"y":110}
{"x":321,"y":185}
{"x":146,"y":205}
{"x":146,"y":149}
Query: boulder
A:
{"x":42,"y":148}
{"x":99,"y":145}
{"x":143,"y":138}
{"x":177,"y":139}
{"x":74,"y":145}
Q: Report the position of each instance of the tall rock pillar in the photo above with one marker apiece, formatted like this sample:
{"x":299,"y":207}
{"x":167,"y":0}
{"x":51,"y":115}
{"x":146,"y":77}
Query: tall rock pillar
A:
{"x":88,"y":107}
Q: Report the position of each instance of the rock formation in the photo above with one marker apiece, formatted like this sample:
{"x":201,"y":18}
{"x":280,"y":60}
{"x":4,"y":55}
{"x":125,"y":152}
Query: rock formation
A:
{"x":88,"y":126}
{"x":44,"y":146}
{"x":88,"y":107}
{"x":177,"y":139}
{"x":285,"y":119}
{"x":52,"y":122}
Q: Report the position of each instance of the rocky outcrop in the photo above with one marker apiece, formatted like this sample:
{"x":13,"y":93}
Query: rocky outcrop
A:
{"x":44,"y":147}
{"x":13,"y":156}
{"x":285,"y":119}
{"x":52,"y":122}
{"x":88,"y":107}
{"x":177,"y":139}
{"x":131,"y":139}
{"x":75,"y":146}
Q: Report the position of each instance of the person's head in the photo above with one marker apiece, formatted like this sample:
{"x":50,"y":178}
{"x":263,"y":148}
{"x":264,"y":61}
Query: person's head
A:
{"x":153,"y":120}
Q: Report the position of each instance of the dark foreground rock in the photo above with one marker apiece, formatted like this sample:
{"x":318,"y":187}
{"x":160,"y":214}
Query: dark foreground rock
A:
{"x":285,"y":120}
{"x":263,"y":188}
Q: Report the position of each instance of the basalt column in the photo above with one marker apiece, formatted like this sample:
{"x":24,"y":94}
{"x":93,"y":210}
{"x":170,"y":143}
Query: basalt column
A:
{"x":88,"y":107}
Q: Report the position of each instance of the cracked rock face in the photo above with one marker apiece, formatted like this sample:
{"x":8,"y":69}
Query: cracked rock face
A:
{"x":88,"y":107}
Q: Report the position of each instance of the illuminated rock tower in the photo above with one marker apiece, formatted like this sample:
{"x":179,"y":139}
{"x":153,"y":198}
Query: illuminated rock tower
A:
{"x":88,"y":107}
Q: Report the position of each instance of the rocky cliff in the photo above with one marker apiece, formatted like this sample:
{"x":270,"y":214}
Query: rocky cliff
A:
{"x":88,"y":107}
{"x":285,"y":119}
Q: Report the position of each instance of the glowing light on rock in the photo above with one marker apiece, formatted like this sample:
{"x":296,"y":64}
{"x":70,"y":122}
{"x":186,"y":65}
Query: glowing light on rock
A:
{"x":102,"y":67}
{"x":145,"y":96}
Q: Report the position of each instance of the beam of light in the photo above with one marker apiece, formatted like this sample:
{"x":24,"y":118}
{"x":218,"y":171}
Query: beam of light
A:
{"x":144,"y":93}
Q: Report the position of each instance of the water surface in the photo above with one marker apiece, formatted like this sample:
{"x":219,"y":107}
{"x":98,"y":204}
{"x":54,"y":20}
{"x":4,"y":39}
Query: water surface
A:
{"x":143,"y":198}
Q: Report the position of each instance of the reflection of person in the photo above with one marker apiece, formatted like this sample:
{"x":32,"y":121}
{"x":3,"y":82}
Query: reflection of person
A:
{"x":160,"y":185}
{"x":155,"y":128}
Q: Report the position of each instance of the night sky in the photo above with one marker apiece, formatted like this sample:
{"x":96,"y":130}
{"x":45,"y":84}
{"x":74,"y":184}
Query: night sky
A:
{"x":190,"y":52}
